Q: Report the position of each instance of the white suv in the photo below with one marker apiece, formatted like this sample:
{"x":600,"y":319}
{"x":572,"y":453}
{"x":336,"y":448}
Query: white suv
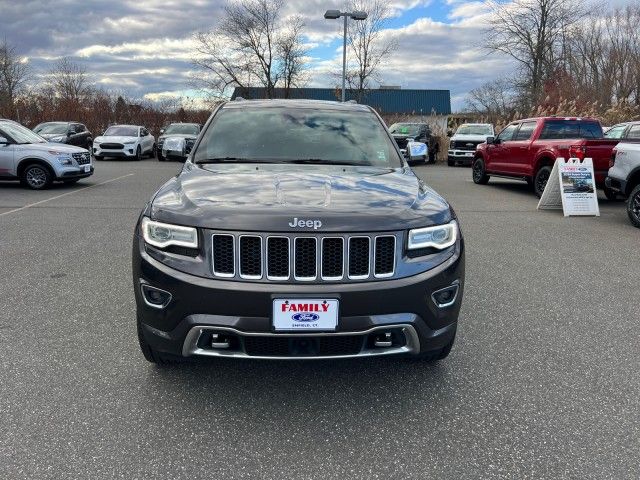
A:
{"x":27,"y":157}
{"x":129,"y":141}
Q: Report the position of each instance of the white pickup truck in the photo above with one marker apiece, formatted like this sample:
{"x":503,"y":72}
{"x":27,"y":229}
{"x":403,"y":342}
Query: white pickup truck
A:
{"x":624,"y":177}
{"x":463,"y":144}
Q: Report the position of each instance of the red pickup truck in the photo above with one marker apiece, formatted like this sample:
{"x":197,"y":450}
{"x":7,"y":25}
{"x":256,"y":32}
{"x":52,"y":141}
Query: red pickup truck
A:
{"x":527,"y":149}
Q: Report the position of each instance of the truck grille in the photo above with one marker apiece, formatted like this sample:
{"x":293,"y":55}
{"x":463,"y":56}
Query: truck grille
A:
{"x":304,"y":258}
{"x":465,"y":145}
{"x":82,"y":158}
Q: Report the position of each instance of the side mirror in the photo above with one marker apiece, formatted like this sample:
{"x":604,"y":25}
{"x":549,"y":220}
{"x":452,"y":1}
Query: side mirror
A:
{"x":4,"y":141}
{"x":161,"y":131}
{"x":490,"y":140}
{"x":449,"y":133}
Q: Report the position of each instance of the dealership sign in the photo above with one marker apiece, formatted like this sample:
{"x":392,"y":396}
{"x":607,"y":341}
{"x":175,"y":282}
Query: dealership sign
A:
{"x":572,"y":187}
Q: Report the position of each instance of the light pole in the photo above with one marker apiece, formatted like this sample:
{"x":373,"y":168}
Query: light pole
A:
{"x":334,"y":15}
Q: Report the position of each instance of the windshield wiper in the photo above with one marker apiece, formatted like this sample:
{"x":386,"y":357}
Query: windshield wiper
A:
{"x":233,"y":160}
{"x":320,"y":161}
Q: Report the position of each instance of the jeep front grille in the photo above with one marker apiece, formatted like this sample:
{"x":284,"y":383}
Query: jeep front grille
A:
{"x":304,"y":258}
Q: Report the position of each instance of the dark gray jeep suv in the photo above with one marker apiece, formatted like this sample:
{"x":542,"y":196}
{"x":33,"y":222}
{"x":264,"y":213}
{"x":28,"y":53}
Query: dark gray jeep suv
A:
{"x":296,"y":230}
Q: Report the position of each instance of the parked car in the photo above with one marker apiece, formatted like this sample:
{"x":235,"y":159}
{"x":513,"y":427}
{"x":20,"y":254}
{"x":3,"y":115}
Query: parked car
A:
{"x":527,"y":149}
{"x":128,"y":141}
{"x":36,"y":163}
{"x":624,"y":177}
{"x":420,"y":132}
{"x":628,"y":131}
{"x":463,"y":143}
{"x":71,"y":133}
{"x":296,"y":230}
{"x":183,"y":137}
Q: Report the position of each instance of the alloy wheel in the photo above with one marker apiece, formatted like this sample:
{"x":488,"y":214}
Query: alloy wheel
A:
{"x":36,"y":177}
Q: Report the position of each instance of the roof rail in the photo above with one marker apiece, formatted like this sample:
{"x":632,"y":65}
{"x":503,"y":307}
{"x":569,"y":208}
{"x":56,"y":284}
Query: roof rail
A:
{"x":238,"y":99}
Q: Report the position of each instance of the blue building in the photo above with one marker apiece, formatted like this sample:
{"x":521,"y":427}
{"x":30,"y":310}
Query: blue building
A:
{"x":388,"y":102}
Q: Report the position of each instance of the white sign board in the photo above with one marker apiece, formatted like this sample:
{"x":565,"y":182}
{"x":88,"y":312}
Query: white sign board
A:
{"x":572,"y":187}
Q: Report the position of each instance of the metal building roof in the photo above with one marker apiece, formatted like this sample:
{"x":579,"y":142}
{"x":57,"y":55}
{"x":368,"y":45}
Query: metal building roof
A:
{"x":385,"y":101}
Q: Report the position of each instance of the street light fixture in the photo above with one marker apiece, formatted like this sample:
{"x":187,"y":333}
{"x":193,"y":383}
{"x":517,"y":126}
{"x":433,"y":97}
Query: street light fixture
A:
{"x":334,"y":15}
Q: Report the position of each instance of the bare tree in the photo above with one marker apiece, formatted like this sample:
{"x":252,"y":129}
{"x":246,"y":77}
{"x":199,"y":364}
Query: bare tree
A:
{"x":69,"y":80}
{"x":292,"y":55}
{"x":367,"y":46}
{"x":14,"y":73}
{"x":494,"y":100}
{"x":533,"y":33}
{"x":252,"y":43}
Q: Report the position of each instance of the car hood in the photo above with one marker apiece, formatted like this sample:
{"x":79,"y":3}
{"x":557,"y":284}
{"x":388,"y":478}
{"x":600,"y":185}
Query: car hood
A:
{"x":115,"y":139}
{"x":53,"y":147}
{"x":268,"y":198}
{"x":188,"y":136}
{"x":470,"y":138}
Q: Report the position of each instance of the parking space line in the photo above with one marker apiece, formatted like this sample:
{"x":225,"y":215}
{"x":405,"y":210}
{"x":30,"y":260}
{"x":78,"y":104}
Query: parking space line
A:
{"x":64,"y":194}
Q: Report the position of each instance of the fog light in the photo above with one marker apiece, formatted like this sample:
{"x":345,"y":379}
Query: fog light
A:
{"x":154,"y":297}
{"x":445,"y":297}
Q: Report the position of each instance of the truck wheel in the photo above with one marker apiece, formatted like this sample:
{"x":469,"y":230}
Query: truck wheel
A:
{"x":633,"y":207}
{"x":541,"y":179}
{"x":36,"y":177}
{"x":432,"y":157}
{"x":154,"y":356}
{"x":451,"y":163}
{"x":479,"y":173}
{"x":98,"y":157}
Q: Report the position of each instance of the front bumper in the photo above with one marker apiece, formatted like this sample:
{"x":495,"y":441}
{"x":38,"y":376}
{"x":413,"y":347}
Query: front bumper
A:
{"x":461,"y":156}
{"x":128,"y":151}
{"x":199,"y":307}
{"x":617,"y":185}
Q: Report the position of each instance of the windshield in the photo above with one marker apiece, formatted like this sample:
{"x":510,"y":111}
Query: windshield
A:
{"x":410,"y":129}
{"x":51,"y":128}
{"x":182,"y":128}
{"x":297,"y":135}
{"x":19,"y":134}
{"x":121,"y":132}
{"x":475,"y":130}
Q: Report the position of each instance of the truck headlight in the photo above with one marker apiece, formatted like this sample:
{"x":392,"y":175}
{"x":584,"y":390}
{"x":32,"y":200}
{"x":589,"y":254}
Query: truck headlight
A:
{"x":162,"y":235}
{"x":440,"y":236}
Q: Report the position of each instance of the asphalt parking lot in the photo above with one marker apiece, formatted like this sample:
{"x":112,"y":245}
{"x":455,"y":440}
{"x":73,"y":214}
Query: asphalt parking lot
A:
{"x":542,"y":383}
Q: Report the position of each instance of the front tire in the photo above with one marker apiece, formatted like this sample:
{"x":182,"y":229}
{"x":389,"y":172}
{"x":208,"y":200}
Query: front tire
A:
{"x":541,"y":179}
{"x":138,"y":156}
{"x":633,"y":207}
{"x":432,"y":157}
{"x":36,"y":177}
{"x":480,"y":176}
{"x":98,"y":157}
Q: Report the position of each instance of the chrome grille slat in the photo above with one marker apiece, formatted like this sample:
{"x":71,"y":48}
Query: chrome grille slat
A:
{"x":304,"y":257}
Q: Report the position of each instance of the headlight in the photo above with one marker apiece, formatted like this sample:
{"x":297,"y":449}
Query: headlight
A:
{"x":129,"y":142}
{"x":162,"y":235}
{"x":440,"y":236}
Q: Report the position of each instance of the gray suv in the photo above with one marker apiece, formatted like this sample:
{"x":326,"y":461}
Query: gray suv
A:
{"x":296,"y":230}
{"x":29,"y":158}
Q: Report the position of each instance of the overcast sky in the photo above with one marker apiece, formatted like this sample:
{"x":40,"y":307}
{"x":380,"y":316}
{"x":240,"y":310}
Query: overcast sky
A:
{"x":144,"y":47}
